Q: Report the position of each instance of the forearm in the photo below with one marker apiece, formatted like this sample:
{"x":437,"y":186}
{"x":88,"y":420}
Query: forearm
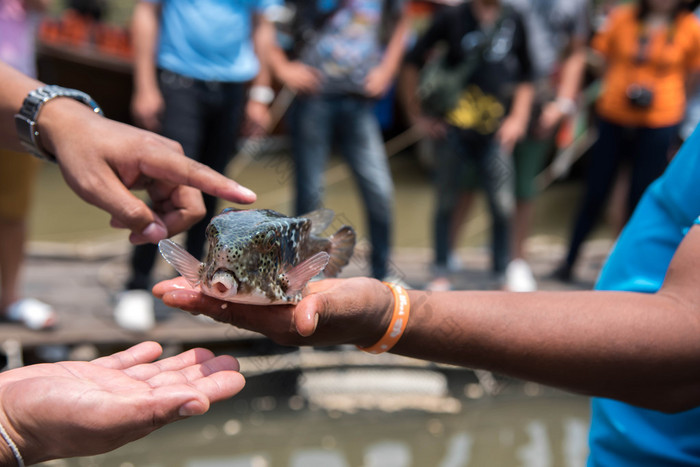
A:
{"x":145,"y":28}
{"x":408,"y":90}
{"x":396,"y":46}
{"x":522,"y":103}
{"x":263,"y":43}
{"x":572,"y":74}
{"x":607,"y":344}
{"x":277,"y":60}
{"x":15,"y":87}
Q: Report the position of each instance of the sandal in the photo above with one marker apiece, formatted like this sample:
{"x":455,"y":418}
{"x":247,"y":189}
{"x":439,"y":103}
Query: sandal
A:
{"x":34,"y":314}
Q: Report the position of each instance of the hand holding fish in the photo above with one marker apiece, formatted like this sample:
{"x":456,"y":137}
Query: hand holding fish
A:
{"x":332,"y":312}
{"x":263,"y":257}
{"x":75,"y":408}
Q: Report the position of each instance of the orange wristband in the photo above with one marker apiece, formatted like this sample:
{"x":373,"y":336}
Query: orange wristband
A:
{"x":399,"y":320}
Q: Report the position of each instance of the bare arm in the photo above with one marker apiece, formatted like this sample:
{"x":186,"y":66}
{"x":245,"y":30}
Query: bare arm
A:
{"x":257,"y":113}
{"x":569,"y":85}
{"x":408,"y":96}
{"x":147,"y":102}
{"x":102,"y":159}
{"x":515,"y":124}
{"x":380,"y":78}
{"x":639,"y":348}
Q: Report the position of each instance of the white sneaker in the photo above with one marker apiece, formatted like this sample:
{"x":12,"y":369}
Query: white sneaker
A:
{"x":519,"y":277}
{"x":34,"y":314}
{"x":135,"y":311}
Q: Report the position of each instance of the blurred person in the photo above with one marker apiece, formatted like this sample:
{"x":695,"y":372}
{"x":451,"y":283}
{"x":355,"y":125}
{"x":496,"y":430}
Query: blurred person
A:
{"x":69,"y":409}
{"x":557,"y":34}
{"x":651,"y":51}
{"x":634,"y":339}
{"x":344,"y":60}
{"x":193,"y":64}
{"x":492,"y":114}
{"x":18,"y":24}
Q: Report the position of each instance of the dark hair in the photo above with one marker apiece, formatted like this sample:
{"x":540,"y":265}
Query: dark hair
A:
{"x":643,"y":8}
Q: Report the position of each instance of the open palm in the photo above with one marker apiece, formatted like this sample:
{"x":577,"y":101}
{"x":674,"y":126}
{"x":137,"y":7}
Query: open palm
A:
{"x":81,"y":408}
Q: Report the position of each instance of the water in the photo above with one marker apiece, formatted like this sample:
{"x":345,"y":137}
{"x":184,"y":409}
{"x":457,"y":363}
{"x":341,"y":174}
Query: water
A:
{"x":526,"y":425}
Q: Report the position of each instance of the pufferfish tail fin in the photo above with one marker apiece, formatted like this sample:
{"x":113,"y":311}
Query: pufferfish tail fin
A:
{"x":342,"y":246}
{"x":186,"y":264}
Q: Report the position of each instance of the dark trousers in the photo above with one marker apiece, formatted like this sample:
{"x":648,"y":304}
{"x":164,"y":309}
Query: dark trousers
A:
{"x":494,"y":169}
{"x":647,"y":151}
{"x":205,"y":118}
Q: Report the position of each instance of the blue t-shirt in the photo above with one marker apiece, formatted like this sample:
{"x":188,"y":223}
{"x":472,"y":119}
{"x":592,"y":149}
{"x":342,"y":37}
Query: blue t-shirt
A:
{"x":621,"y":434}
{"x":209,"y":40}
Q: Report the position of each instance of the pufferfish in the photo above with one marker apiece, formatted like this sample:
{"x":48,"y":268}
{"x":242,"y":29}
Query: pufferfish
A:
{"x":263,"y":257}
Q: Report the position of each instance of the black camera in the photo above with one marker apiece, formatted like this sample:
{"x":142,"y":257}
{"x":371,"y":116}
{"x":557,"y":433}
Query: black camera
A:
{"x":639,"y":96}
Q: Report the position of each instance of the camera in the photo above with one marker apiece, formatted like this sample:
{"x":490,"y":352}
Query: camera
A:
{"x":639,"y":96}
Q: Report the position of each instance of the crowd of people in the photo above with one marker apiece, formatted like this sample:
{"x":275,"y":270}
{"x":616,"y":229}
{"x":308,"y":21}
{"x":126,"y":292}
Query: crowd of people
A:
{"x":508,"y":74}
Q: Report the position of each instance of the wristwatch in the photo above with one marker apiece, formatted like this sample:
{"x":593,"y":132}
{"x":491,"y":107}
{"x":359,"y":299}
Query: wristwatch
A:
{"x":26,"y":119}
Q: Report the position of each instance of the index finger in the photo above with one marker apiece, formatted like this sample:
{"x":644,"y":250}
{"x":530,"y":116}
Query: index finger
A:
{"x":181,"y":170}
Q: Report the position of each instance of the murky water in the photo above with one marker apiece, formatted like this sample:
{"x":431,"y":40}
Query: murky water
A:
{"x":526,"y":425}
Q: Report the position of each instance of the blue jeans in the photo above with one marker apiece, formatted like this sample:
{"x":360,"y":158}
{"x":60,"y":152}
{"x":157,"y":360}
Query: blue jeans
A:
{"x":496,"y":175}
{"x":316,"y":123}
{"x":204,"y":117}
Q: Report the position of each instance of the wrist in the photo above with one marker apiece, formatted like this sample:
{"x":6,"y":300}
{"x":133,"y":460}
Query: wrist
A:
{"x":376,"y":318}
{"x":400,"y":312}
{"x":13,"y":449}
{"x":565,"y":105}
{"x":58,"y":117}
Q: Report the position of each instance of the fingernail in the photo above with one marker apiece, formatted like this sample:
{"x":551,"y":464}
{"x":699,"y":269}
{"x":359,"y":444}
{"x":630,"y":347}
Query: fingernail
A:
{"x":155,"y":232}
{"x":248,"y":192}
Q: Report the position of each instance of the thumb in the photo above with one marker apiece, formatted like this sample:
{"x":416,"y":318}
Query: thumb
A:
{"x":306,"y":314}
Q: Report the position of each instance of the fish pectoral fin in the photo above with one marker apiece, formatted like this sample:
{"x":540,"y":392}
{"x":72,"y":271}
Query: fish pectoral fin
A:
{"x":186,"y":264}
{"x":302,"y":273}
{"x":320,"y":220}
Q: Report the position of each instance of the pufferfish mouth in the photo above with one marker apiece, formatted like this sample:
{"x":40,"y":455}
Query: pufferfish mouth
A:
{"x":223,"y":283}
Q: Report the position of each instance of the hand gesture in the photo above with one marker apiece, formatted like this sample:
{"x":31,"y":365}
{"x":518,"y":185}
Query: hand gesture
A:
{"x":101,"y":160}
{"x":378,"y":81}
{"x":299,"y":77}
{"x":147,"y":108}
{"x":71,"y":409}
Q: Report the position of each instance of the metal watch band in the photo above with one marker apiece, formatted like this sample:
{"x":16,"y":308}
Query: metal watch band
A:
{"x":26,"y":119}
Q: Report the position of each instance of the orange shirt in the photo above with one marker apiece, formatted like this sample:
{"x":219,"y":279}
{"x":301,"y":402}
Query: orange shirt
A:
{"x":671,"y":56}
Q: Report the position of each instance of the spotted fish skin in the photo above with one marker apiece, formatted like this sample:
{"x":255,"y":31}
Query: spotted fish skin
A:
{"x":262,"y":256}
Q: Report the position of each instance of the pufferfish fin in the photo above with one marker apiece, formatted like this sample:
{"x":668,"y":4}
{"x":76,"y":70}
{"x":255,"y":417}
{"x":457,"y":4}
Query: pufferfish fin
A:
{"x":342,"y":246}
{"x":320,"y":220}
{"x":302,"y":273}
{"x":186,"y":264}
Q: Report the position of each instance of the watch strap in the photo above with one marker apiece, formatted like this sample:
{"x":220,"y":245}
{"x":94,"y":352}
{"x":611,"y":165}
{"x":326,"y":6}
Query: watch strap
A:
{"x":26,"y":118}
